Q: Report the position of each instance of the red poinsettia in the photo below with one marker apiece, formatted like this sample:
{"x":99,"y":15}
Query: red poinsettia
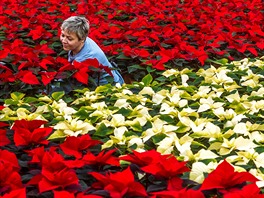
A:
{"x":6,"y":74}
{"x":9,"y":158}
{"x":102,"y":158}
{"x":251,"y":190}
{"x":3,"y":138}
{"x":9,"y":177}
{"x":119,"y":184}
{"x":186,"y":193}
{"x":224,"y":178}
{"x":142,"y":158}
{"x":30,"y":132}
{"x":54,"y":174}
{"x":77,"y":146}
{"x":19,"y":193}
{"x":168,"y":167}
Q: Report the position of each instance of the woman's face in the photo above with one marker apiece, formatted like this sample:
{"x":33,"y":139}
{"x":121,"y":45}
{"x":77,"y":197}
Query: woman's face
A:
{"x":70,"y":41}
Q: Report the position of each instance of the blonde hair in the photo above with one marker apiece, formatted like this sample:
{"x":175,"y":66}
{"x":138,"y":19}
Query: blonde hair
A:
{"x":78,"y":25}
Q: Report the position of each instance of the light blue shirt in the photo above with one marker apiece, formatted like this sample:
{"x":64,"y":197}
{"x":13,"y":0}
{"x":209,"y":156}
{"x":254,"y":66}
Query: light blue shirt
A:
{"x":92,"y":50}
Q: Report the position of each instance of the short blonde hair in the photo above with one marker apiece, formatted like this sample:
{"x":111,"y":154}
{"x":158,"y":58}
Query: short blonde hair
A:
{"x":78,"y":25}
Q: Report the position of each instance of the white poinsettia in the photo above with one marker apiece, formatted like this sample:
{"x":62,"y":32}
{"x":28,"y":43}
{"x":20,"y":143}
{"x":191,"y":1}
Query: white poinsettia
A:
{"x":61,"y":108}
{"x":239,"y":144}
{"x":233,"y":97}
{"x":209,"y":103}
{"x":258,"y":174}
{"x":171,"y":72}
{"x":101,"y":110}
{"x":199,"y":169}
{"x":224,"y":114}
{"x":141,"y":111}
{"x":71,"y":127}
{"x":147,"y":91}
{"x":157,"y":98}
{"x":255,"y":106}
{"x":241,"y":128}
{"x":175,"y":98}
{"x":251,"y":80}
{"x":99,"y":105}
{"x":158,"y":126}
{"x":168,"y":109}
{"x":116,"y":121}
{"x":259,"y":92}
{"x":122,"y":102}
{"x":184,"y":78}
{"x":202,"y":92}
{"x":216,"y":76}
{"x":138,"y":120}
{"x":198,"y":125}
{"x":118,"y":137}
{"x":138,"y":141}
{"x":88,"y":97}
{"x":7,"y":114}
{"x":23,"y":113}
{"x":166,"y":145}
{"x":209,"y":130}
{"x":45,"y":99}
{"x":257,"y":136}
{"x":183,"y":145}
{"x":251,"y":154}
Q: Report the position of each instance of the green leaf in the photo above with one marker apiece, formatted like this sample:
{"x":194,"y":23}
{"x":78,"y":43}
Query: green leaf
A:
{"x":147,"y":80}
{"x":133,"y":68}
{"x":157,"y":138}
{"x":136,"y":127}
{"x":122,"y":56}
{"x":103,"y":130}
{"x":30,"y":99}
{"x":124,"y":111}
{"x":167,"y":118}
{"x":58,"y":95}
{"x":17,"y":95}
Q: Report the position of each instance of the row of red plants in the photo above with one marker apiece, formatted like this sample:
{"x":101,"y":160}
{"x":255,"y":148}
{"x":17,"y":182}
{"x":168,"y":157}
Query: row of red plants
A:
{"x":137,"y":34}
{"x":32,"y":166}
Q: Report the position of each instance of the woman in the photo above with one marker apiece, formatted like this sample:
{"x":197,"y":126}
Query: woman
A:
{"x":75,"y":40}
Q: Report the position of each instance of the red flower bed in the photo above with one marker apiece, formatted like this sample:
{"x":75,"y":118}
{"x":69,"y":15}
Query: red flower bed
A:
{"x":160,"y":34}
{"x":50,"y":169}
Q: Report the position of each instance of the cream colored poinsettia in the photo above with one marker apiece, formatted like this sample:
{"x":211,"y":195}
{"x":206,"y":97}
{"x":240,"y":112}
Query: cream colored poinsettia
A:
{"x":119,"y":138}
{"x":88,"y":97}
{"x":147,"y":91}
{"x":224,"y":114}
{"x":209,"y":103}
{"x":61,"y":109}
{"x":216,"y":76}
{"x":27,"y":115}
{"x":101,"y":110}
{"x":251,"y":154}
{"x":199,"y":169}
{"x":168,"y":109}
{"x":7,"y":114}
{"x":158,"y":126}
{"x":171,"y":72}
{"x":208,"y":130}
{"x":116,"y":120}
{"x":251,"y":80}
{"x":166,"y":146}
{"x":175,"y":99}
{"x":239,"y":144}
{"x":258,"y":174}
{"x":71,"y":127}
{"x":202,"y":92}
